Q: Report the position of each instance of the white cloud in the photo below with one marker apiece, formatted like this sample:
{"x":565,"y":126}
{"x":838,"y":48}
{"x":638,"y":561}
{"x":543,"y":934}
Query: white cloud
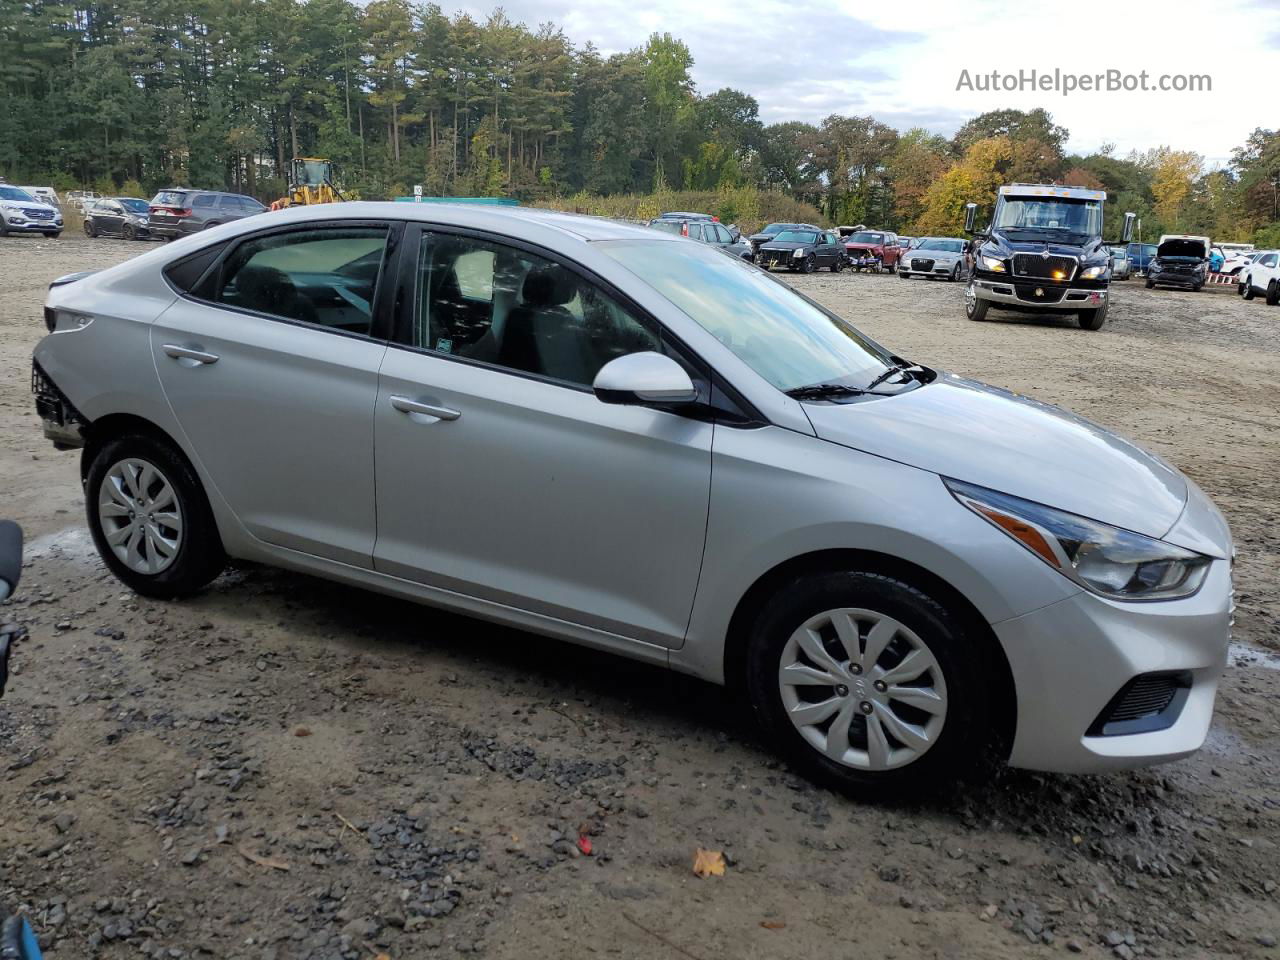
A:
{"x":900,"y":61}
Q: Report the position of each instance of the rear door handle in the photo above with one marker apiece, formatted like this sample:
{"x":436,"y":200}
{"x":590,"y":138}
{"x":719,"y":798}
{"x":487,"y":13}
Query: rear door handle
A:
{"x":405,"y":405}
{"x":187,"y":353}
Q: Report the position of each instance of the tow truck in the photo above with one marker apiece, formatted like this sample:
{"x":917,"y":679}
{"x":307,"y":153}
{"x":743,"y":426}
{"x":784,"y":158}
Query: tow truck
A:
{"x":1042,"y":253}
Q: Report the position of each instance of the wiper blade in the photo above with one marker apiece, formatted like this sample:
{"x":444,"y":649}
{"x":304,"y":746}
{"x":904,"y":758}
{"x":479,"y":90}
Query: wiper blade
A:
{"x":906,"y":368}
{"x":824,"y":391}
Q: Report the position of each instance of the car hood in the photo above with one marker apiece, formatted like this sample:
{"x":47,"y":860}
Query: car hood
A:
{"x":924,"y":253}
{"x":1181,"y":248}
{"x":788,"y":245}
{"x":991,"y":437}
{"x":863,"y":246}
{"x":29,"y":204}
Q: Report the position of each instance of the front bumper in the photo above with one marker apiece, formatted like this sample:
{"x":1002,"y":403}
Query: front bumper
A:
{"x":939,"y":268}
{"x":33,"y":226}
{"x":1032,"y":295}
{"x":1070,"y":660}
{"x":1186,"y":280}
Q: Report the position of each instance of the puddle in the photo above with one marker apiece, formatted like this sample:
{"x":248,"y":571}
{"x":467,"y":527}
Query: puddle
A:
{"x":1244,"y":655}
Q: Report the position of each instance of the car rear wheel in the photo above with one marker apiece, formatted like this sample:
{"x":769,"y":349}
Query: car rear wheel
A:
{"x":867,"y":683}
{"x":150,"y":518}
{"x":1273,"y":293}
{"x":89,"y":230}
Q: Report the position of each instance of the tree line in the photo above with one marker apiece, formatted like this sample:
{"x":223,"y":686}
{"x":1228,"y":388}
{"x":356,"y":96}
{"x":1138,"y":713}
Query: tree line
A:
{"x":143,"y":94}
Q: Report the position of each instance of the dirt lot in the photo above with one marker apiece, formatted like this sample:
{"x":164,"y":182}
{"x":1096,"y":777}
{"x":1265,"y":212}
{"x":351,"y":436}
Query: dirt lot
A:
{"x":284,"y":768}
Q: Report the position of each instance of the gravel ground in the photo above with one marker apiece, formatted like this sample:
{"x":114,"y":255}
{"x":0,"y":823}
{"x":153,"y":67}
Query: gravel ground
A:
{"x":282,"y":767}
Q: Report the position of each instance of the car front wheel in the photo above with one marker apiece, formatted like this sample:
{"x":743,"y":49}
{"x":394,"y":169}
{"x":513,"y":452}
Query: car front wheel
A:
{"x":808,"y":265}
{"x":1273,"y":293}
{"x":866,"y":682}
{"x":150,"y":519}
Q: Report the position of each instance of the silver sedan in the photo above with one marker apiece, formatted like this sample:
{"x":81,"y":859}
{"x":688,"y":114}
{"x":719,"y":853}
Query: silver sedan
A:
{"x":630,"y":441}
{"x":934,"y":257}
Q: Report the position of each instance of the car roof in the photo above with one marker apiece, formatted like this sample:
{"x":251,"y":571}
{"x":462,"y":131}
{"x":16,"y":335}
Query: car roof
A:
{"x":509,"y":220}
{"x":681,"y":215}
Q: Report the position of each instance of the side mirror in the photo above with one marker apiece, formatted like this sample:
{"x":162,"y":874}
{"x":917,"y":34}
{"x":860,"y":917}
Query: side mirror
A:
{"x":644,"y":378}
{"x":970,"y":216}
{"x":1128,"y":226}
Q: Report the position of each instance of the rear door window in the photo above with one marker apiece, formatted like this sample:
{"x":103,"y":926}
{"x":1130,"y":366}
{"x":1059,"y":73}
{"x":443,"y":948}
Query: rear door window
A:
{"x":203,"y":201}
{"x":326,"y":276}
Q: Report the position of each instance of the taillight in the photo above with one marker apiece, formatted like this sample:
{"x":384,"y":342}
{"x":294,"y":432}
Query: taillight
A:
{"x":684,"y":229}
{"x":155,"y":210}
{"x":182,"y":213}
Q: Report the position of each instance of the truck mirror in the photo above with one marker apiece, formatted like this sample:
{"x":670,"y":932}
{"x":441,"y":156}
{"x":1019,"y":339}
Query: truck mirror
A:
{"x":970,"y":216}
{"x":1128,"y":226}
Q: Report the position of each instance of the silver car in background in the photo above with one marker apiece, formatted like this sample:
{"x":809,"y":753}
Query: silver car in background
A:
{"x":627,"y":440}
{"x":1121,"y":266}
{"x":934,"y":257}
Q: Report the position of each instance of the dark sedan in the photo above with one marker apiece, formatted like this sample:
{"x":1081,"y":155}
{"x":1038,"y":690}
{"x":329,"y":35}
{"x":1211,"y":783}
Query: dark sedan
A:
{"x":118,"y":217}
{"x":803,"y":250}
{"x":771,"y":230}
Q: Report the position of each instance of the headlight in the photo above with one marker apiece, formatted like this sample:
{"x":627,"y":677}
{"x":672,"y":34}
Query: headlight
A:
{"x":992,"y":264}
{"x":1093,"y":273}
{"x":1101,"y":558}
{"x":797,"y":253}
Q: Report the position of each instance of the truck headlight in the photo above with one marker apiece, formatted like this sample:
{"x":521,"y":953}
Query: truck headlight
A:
{"x":1093,"y":273}
{"x":992,"y":264}
{"x":1106,"y":560}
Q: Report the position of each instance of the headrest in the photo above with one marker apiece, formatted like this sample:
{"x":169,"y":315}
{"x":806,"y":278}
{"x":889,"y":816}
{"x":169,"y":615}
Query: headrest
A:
{"x":549,"y":287}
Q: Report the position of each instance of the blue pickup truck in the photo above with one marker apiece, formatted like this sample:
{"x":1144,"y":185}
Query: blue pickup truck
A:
{"x":1140,"y":256}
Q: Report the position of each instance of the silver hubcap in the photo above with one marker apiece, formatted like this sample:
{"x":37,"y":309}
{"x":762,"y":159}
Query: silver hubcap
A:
{"x":140,"y":516}
{"x":862,"y":689}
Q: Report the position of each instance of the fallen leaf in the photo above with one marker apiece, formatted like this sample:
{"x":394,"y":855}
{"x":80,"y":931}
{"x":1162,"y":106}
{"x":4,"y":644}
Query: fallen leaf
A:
{"x":262,"y":861}
{"x":772,"y":924}
{"x":584,"y":844}
{"x":301,"y":732}
{"x":708,"y":863}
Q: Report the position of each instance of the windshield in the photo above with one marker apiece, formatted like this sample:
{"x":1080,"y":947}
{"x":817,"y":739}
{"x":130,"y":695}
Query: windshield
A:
{"x":797,"y":236}
{"x":13,"y":193}
{"x":1049,"y":216}
{"x":941,"y":243}
{"x":866,"y":238}
{"x":782,"y":336}
{"x":134,"y":204}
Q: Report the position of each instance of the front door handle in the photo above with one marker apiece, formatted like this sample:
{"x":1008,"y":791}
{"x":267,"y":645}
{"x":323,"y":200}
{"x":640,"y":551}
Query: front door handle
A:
{"x":406,"y":405}
{"x":179,"y":352}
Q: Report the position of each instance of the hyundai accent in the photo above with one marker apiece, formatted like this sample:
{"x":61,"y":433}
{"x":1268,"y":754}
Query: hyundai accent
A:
{"x":632,"y":441}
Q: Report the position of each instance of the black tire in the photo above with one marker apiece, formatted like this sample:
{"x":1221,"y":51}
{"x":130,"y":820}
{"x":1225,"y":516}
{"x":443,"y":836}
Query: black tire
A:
{"x":1092,"y":319}
{"x":976,"y":308}
{"x":3,"y":231}
{"x":809,"y":264}
{"x":905,"y":276}
{"x":1196,"y":287}
{"x":89,"y":230}
{"x":837,"y":264}
{"x":1150,"y":283}
{"x":1247,"y":289}
{"x":955,"y":274}
{"x":199,"y":556}
{"x":965,"y":734}
{"x":54,"y":235}
{"x":128,"y":232}
{"x":1273,"y":293}
{"x":211,"y":223}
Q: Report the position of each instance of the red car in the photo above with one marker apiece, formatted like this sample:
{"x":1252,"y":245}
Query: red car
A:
{"x":876,"y":243}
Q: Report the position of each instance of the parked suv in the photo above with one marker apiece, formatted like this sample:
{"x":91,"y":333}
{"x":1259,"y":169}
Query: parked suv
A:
{"x":703,"y":228}
{"x":604,"y":433}
{"x":879,"y":244}
{"x":1262,"y":276}
{"x":179,"y":212}
{"x":20,"y":212}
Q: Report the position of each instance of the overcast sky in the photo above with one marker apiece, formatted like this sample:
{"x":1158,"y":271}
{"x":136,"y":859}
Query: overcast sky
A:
{"x":900,"y":60}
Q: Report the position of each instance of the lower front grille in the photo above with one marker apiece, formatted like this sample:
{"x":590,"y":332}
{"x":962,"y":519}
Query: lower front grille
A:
{"x":1041,"y":294}
{"x":1145,"y":704}
{"x":922,"y":265}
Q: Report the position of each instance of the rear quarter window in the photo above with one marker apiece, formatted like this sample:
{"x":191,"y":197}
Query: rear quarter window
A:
{"x":186,"y":273}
